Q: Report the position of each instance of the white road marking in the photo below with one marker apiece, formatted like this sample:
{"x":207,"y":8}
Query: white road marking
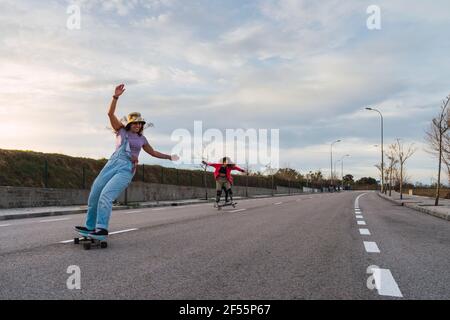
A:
{"x":361,"y":223}
{"x":130,"y":212}
{"x":238,"y":210}
{"x":278,"y":203}
{"x":357,"y":200}
{"x":364,"y":232}
{"x":385,"y":283}
{"x":371,"y":247}
{"x":5,"y":225}
{"x":123,"y":231}
{"x":158,"y":209}
{"x":52,"y":220}
{"x":115,"y":232}
{"x":359,"y":217}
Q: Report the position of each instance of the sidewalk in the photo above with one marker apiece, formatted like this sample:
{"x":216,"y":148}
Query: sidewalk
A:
{"x":422,"y":204}
{"x":22,"y":213}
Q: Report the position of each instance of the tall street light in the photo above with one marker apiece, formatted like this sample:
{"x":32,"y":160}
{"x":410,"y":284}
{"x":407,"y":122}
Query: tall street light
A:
{"x":335,"y":165}
{"x":331,"y":160}
{"x":382,"y":154}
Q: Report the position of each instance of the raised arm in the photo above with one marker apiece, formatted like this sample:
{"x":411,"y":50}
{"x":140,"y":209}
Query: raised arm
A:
{"x":115,"y":123}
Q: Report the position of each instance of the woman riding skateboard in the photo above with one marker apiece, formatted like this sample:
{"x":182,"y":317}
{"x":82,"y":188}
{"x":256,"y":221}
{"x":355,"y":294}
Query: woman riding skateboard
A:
{"x":223,"y":177}
{"x":118,"y":172}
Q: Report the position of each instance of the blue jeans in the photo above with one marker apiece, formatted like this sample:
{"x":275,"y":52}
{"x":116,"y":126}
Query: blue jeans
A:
{"x":114,"y":178}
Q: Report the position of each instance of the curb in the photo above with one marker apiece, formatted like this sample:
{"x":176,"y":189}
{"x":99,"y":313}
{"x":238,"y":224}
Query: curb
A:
{"x":444,"y":216}
{"x":127,"y":207}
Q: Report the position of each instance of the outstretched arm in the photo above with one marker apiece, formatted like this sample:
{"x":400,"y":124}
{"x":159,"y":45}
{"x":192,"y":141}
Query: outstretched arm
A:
{"x":238,"y":169}
{"x":115,"y":123}
{"x":148,"y":148}
{"x":214,"y":165}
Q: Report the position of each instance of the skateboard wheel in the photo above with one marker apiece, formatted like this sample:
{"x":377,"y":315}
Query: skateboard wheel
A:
{"x":76,"y":240}
{"x":103,"y":245}
{"x":87,"y":246}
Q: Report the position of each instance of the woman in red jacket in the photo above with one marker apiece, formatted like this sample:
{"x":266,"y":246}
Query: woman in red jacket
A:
{"x":222,"y":174}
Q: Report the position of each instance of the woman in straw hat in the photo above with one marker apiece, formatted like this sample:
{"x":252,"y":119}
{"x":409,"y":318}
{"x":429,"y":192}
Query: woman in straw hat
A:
{"x":118,"y":172}
{"x":224,"y":180}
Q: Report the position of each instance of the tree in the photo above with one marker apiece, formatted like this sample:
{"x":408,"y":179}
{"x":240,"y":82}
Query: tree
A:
{"x":348,"y":178}
{"x":288,"y":174}
{"x":402,"y":154}
{"x":367,"y":181}
{"x":435,"y":138}
{"x":392,"y":163}
{"x":378,"y":166}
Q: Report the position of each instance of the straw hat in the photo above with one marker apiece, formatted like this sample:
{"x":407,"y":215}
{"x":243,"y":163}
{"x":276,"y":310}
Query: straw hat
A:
{"x":134,"y":117}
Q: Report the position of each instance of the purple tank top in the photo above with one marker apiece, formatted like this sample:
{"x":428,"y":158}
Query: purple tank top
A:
{"x":136,"y":141}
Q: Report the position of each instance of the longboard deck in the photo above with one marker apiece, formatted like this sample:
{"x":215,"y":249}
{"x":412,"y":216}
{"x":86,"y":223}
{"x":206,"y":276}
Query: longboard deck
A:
{"x":220,"y":206}
{"x":88,"y":240}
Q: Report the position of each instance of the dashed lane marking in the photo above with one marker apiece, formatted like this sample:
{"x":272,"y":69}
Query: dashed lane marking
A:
{"x":385,"y":283}
{"x":364,"y":232}
{"x":371,"y":247}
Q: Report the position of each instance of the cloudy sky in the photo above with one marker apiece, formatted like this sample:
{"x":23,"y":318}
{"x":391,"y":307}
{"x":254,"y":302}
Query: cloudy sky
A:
{"x":307,"y":68}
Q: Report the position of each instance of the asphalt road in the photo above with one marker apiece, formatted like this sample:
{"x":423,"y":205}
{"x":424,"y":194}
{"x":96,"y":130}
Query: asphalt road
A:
{"x":298,"y":247}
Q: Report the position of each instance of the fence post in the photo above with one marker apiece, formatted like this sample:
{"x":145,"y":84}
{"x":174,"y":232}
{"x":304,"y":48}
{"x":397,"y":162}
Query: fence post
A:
{"x":205,"y":184}
{"x":246,"y":185}
{"x":143,"y":172}
{"x":46,"y":173}
{"x":84,"y":177}
{"x":162,"y":175}
{"x":272,"y":186}
{"x":178,"y":179}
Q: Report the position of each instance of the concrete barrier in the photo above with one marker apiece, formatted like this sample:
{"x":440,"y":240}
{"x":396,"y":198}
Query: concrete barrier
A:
{"x":23,"y":197}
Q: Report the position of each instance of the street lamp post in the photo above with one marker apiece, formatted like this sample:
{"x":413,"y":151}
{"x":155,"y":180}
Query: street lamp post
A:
{"x":382,"y":153}
{"x":335,"y":165}
{"x":331,"y":160}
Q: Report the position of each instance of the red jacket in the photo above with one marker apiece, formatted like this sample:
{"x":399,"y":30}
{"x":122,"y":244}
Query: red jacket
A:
{"x":230,"y":168}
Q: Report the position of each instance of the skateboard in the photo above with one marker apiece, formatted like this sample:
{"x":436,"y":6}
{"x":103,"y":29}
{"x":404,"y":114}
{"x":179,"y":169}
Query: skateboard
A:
{"x":89,"y":241}
{"x":223,"y":204}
